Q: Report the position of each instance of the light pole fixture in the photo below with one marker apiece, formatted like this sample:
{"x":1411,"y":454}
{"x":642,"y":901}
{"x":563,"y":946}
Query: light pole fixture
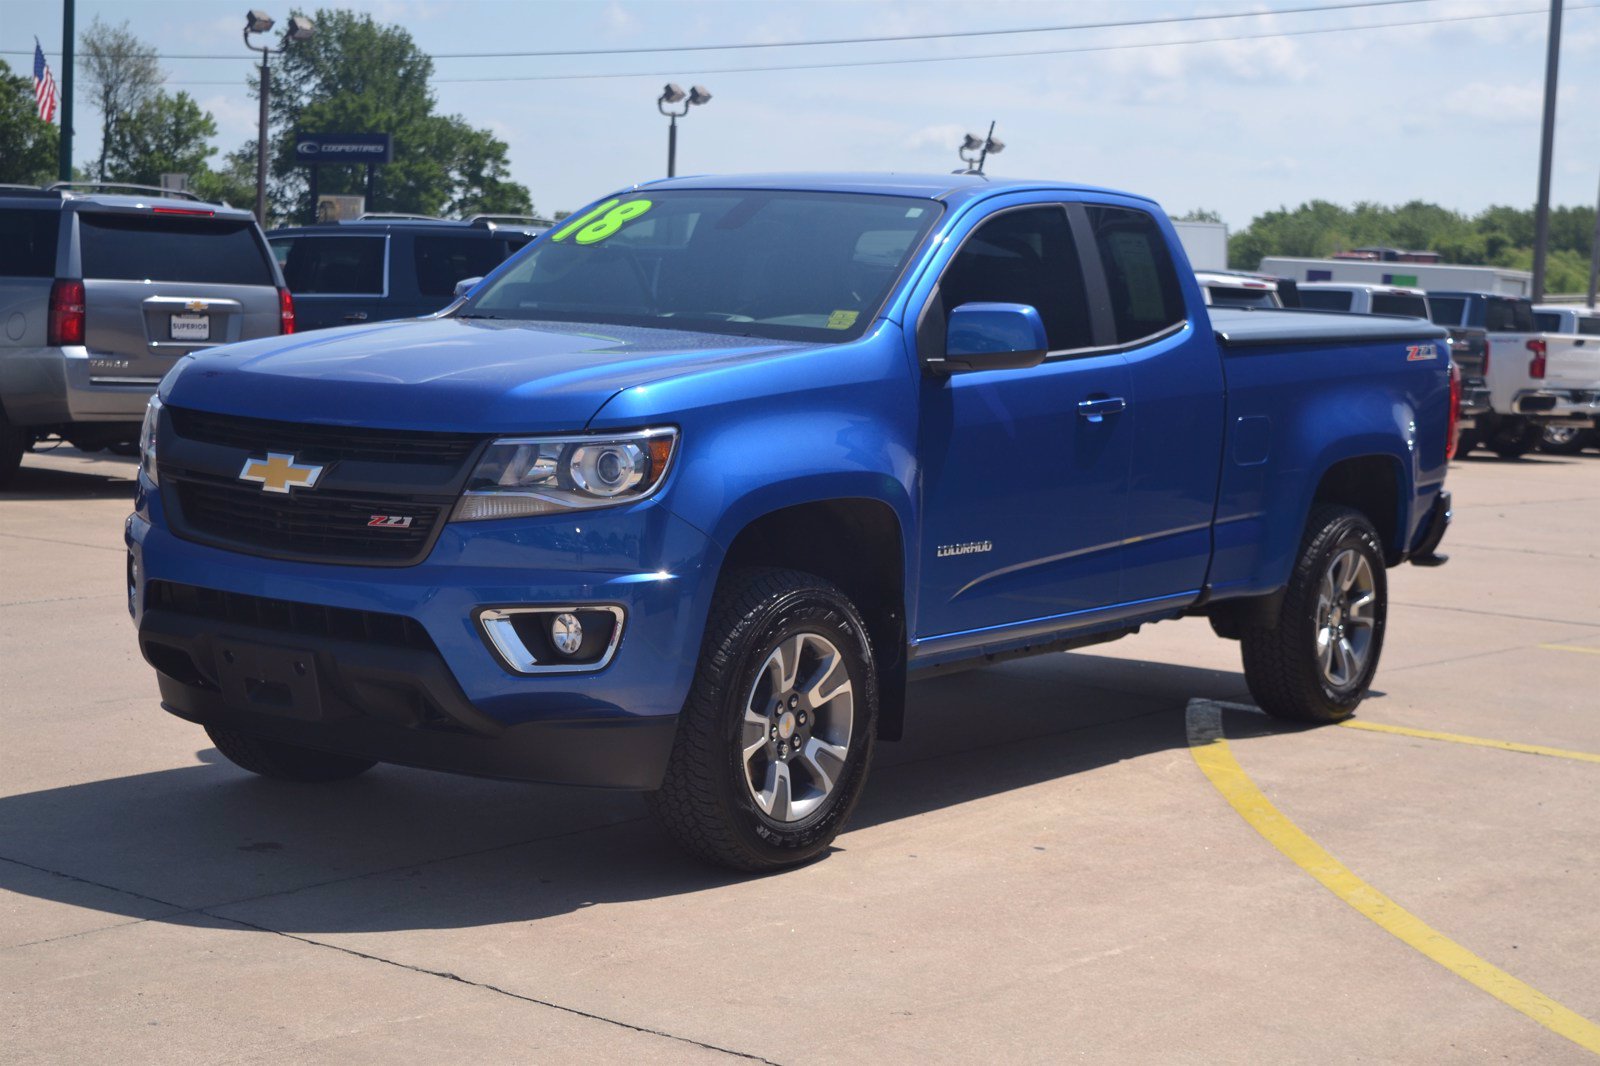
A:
{"x":674,"y":94}
{"x":983,"y":146}
{"x":299,"y":29}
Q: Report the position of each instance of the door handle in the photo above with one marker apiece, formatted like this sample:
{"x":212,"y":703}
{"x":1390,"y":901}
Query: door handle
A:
{"x":356,"y":316}
{"x":1096,"y":410}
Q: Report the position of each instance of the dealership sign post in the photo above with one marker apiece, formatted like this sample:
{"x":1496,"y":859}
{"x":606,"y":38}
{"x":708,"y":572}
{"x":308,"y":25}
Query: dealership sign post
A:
{"x":316,"y":150}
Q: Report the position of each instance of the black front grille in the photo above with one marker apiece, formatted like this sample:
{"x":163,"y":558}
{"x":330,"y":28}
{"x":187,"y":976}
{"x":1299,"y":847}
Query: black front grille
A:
{"x":323,"y":444}
{"x":320,"y":526}
{"x":284,"y":616}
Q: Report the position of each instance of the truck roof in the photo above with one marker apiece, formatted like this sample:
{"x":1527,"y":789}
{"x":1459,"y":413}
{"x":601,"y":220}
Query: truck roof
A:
{"x":950,"y":187}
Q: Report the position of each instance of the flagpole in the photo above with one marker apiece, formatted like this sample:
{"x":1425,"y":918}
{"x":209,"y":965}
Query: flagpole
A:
{"x":67,"y":35}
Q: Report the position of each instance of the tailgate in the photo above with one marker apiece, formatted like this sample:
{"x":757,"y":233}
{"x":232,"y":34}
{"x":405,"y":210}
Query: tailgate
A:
{"x":1467,"y":349}
{"x":1572,"y":362}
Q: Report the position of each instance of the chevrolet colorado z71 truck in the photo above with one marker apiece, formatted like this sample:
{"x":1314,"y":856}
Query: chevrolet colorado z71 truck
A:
{"x":678,"y":498}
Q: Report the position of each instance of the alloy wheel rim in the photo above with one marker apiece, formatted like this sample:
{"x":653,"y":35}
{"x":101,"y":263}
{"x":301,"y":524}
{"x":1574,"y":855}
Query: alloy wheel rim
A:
{"x":1560,"y":434}
{"x":796,"y":729}
{"x":1346,"y":618}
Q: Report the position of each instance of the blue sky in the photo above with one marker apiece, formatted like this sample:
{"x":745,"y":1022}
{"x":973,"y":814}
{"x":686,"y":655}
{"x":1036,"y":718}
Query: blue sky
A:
{"x":1446,"y":112}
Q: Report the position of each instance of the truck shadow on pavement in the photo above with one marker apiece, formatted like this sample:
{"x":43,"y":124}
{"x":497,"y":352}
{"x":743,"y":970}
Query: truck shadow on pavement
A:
{"x":208,"y":844}
{"x":96,"y":480}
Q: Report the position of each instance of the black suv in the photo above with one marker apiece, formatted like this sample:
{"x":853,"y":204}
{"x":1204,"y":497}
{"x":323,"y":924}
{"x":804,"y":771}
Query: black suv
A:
{"x":390,"y":266}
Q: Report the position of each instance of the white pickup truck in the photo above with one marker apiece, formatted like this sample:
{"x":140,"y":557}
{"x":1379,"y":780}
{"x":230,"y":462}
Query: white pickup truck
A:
{"x":1224,"y":288}
{"x":1535,"y":379}
{"x":1570,"y":320}
{"x":1359,"y":298}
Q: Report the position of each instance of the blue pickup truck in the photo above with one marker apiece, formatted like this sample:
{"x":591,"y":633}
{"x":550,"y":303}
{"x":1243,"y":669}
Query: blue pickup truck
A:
{"x":680,"y":497}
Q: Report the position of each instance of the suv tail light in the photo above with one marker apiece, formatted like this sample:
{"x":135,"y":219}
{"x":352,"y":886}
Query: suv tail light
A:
{"x":66,"y":313}
{"x":1536,"y":365}
{"x":285,"y":311}
{"x":1455,"y":410}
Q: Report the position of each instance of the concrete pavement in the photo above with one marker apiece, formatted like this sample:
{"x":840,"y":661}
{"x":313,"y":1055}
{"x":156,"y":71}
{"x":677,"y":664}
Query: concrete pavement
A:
{"x":1038,"y":872}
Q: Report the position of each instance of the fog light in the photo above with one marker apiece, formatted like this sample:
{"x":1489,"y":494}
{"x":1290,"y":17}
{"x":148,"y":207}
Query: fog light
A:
{"x":566,"y":633}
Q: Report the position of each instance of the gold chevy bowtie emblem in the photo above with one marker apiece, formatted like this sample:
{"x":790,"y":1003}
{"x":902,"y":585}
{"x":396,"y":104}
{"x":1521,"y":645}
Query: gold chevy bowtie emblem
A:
{"x":280,"y":473}
{"x":195,"y":305}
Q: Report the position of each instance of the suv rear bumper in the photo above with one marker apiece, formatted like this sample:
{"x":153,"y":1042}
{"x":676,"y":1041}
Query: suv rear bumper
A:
{"x":53,"y":386}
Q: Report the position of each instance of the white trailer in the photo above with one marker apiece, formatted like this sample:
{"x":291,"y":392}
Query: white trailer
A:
{"x":1205,"y":243}
{"x":1429,"y":276}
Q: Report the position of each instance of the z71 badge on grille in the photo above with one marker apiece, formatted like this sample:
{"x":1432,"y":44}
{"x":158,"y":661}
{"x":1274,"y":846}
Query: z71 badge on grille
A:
{"x":280,"y":473}
{"x":391,"y":521}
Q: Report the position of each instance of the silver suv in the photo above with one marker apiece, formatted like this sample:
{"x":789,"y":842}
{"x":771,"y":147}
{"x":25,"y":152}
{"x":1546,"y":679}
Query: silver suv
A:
{"x":102,"y":291}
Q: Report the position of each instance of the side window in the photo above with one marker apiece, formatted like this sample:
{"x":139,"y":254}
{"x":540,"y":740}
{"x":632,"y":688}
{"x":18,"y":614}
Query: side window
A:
{"x":1025,"y":256}
{"x":335,"y":266}
{"x":1589,"y":327}
{"x":29,"y":240}
{"x":1547,"y":322}
{"x":1145,"y":297}
{"x":443,"y":261}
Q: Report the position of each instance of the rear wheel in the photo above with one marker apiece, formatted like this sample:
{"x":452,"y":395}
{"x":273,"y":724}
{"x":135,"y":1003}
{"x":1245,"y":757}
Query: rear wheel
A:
{"x":776,"y":735}
{"x":14,"y":441}
{"x":1515,"y":440}
{"x":284,"y":762}
{"x":1316,"y":662}
{"x":1565,"y":440}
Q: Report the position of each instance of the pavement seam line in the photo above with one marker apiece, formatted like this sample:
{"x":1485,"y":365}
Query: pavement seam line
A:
{"x":68,"y":543}
{"x":1212,"y":755}
{"x":448,"y":976}
{"x":1481,"y":742}
{"x":1495,"y":614}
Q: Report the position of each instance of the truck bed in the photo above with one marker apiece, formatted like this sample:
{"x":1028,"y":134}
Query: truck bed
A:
{"x":1241,"y":328}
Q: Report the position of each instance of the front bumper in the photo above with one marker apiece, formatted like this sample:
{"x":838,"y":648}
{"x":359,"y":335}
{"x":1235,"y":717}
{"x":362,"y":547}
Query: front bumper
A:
{"x":444,"y":700}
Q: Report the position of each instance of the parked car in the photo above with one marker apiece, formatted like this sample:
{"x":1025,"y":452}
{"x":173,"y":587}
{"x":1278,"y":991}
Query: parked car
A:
{"x":383,"y":267}
{"x":1583,"y":322}
{"x":681,"y":497}
{"x":1360,"y":299}
{"x":102,"y":290}
{"x":1229,"y":289}
{"x":1534,"y":379}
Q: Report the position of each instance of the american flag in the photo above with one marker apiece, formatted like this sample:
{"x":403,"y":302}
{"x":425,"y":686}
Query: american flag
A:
{"x":44,"y":84}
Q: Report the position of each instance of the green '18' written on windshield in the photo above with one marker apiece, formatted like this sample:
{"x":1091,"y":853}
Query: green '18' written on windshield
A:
{"x":594,"y":226}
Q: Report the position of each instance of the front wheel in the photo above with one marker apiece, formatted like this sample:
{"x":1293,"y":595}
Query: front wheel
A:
{"x":1316,"y":662}
{"x":775,"y":737}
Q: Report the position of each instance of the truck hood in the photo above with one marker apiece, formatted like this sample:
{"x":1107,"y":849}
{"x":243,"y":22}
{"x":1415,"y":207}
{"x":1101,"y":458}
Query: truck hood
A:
{"x":448,"y":374}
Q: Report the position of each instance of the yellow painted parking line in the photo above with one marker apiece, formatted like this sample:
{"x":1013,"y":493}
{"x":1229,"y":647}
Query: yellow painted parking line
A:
{"x":1211,"y":753}
{"x":1570,"y":647}
{"x":1482,"y":742}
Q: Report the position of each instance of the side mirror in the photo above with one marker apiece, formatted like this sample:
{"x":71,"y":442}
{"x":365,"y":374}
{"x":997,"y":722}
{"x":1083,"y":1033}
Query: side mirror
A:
{"x":466,"y":285}
{"x":994,"y":336}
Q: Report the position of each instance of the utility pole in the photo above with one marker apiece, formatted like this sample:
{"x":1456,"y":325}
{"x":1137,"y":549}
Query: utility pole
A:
{"x":1594,"y":255}
{"x":68,"y":32}
{"x":1541,"y":212}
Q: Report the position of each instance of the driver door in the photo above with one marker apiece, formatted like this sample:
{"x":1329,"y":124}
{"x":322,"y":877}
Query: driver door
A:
{"x":1025,"y":472}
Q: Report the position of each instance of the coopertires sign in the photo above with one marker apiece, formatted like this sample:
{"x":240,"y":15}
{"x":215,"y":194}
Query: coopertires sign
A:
{"x":315,"y":148}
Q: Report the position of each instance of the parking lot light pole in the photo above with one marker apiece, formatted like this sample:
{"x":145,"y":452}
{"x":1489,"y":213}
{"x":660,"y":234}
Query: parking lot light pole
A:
{"x":300,"y":29}
{"x":672,"y":94}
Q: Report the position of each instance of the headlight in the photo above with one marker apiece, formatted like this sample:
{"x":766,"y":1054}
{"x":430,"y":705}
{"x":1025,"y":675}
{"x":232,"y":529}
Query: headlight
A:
{"x":543,"y":475}
{"x":147,"y":438}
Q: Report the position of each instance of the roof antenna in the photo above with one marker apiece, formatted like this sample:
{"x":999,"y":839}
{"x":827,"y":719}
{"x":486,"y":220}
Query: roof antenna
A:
{"x":983,"y":146}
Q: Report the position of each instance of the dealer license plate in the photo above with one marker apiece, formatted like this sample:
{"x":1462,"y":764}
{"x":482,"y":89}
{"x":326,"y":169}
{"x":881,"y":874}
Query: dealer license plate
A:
{"x":191,"y":327}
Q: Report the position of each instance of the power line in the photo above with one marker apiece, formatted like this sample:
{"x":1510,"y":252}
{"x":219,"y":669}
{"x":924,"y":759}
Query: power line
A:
{"x":1080,"y":49}
{"x":1166,"y":20}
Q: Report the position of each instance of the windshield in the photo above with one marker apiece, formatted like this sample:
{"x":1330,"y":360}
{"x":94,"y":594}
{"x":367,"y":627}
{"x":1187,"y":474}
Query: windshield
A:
{"x":784,"y":265}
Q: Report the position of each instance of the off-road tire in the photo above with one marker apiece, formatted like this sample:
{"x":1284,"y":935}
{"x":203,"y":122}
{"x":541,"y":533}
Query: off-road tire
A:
{"x":14,"y":442}
{"x":284,"y":762}
{"x":1280,"y":661}
{"x":704,"y":803}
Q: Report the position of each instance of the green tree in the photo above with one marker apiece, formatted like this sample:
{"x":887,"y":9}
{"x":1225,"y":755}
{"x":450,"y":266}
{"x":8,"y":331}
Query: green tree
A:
{"x":27,"y":144}
{"x":164,"y":134}
{"x":1198,"y":214}
{"x":123,"y":74}
{"x":357,"y":75}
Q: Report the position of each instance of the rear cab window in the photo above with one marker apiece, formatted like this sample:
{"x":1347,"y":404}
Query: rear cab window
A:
{"x":334,"y":265}
{"x":1399,"y":303}
{"x":1326,"y":300}
{"x":1140,"y":277}
{"x":1547,"y":321}
{"x":1503,"y":314}
{"x":1227,"y":296}
{"x":1588,"y":327}
{"x":138,"y":247}
{"x":29,"y":239}
{"x":1447,"y":310}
